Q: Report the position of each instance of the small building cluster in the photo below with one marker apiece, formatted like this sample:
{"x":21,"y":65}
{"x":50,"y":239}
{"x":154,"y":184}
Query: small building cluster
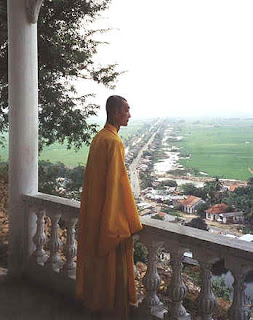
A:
{"x":219,"y":212}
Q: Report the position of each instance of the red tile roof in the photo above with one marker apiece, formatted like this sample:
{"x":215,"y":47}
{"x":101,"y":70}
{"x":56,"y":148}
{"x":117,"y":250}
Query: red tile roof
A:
{"x":190,"y":201}
{"x":218,"y":208}
{"x":234,"y":186}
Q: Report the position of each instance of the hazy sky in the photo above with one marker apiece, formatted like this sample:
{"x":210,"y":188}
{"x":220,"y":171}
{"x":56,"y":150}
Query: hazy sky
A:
{"x":182,"y":57}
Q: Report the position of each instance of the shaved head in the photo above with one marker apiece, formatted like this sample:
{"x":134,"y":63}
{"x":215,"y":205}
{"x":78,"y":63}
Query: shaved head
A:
{"x":114,"y":104}
{"x":117,"y":110}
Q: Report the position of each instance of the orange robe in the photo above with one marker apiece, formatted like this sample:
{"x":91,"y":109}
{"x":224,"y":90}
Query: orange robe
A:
{"x":108,"y":217}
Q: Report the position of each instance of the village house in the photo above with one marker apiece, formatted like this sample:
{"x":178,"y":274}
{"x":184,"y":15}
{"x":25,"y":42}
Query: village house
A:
{"x":191,"y":203}
{"x":219,"y":212}
{"x":162,"y":196}
{"x":235,"y":186}
{"x":176,"y":199}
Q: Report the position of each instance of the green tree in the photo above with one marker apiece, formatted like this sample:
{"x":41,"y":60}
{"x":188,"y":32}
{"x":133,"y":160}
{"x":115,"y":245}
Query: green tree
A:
{"x":212,"y":189}
{"x":241,"y":199}
{"x":76,"y":176}
{"x":197,"y":223}
{"x":48,"y":175}
{"x":169,"y":183}
{"x":191,"y":189}
{"x":201,"y":210}
{"x":57,"y":179}
{"x":250,"y":182}
{"x":220,"y":289}
{"x":188,"y":189}
{"x":66,"y":47}
{"x":140,"y":252}
{"x":146,"y":180}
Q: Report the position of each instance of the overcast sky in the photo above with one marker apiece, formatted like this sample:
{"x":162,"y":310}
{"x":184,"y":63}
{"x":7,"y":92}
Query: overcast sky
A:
{"x":182,"y":57}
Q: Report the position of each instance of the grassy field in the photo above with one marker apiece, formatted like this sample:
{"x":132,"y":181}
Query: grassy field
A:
{"x":224,"y":149}
{"x":59,"y":153}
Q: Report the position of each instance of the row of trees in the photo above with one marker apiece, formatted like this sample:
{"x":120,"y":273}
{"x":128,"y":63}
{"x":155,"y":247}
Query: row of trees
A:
{"x":210,"y":192}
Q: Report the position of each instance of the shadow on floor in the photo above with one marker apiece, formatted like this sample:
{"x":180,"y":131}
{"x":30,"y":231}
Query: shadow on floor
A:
{"x":20,"y":300}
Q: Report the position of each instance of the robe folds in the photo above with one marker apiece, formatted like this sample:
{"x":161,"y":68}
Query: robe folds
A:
{"x":108,"y":218}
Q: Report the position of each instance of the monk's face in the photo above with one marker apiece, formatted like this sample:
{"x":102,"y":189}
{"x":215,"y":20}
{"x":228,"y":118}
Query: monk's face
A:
{"x":124,"y":114}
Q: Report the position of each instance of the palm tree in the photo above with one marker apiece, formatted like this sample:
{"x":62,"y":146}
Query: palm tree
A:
{"x":212,"y":189}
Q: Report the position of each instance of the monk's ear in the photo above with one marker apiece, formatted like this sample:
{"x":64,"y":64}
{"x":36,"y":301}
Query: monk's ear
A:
{"x":117,"y":112}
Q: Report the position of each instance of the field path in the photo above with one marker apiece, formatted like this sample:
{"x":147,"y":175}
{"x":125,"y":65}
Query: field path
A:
{"x":251,"y":171}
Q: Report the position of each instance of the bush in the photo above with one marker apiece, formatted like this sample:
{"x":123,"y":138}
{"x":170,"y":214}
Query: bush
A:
{"x":169,"y":183}
{"x":246,"y":230}
{"x":157,"y":217}
{"x":197,"y":223}
{"x":172,"y":212}
{"x":140,"y":252}
{"x":193,"y":272}
{"x":220,"y":289}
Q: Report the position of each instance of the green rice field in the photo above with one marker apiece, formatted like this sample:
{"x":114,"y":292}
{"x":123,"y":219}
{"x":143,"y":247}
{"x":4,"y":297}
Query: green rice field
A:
{"x":223,"y":149}
{"x":59,"y":153}
{"x":220,"y":148}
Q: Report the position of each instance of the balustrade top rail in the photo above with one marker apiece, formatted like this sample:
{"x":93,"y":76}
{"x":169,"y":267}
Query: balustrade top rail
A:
{"x":48,"y":201}
{"x":186,"y":237}
{"x":190,"y":238}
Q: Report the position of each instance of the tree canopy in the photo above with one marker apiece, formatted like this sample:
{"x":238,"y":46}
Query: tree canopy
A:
{"x":191,"y":189}
{"x":212,"y":189}
{"x":66,"y":49}
{"x":197,"y":223}
{"x":241,"y":199}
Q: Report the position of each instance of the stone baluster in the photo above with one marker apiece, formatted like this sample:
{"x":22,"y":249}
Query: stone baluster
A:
{"x":70,"y":246}
{"x":39,"y":239}
{"x":176,"y":289}
{"x":239,"y":268}
{"x":54,"y":262}
{"x":206,"y":301}
{"x":151,"y":281}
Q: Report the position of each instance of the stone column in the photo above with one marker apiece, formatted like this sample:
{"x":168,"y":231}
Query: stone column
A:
{"x":206,"y":301}
{"x":54,"y":261}
{"x":176,"y":289}
{"x":239,"y":310}
{"x":39,"y":239}
{"x":70,"y":249}
{"x":23,"y":119}
{"x":151,"y":305}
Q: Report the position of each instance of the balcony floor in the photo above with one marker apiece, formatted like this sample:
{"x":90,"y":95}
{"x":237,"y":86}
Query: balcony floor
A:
{"x":23,"y":301}
{"x":20,"y":300}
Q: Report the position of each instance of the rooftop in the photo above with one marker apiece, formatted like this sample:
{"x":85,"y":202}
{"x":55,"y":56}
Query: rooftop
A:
{"x":190,"y":201}
{"x":218,"y":208}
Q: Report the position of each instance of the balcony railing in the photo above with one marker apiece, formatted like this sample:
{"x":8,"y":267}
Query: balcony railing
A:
{"x":53,"y":263}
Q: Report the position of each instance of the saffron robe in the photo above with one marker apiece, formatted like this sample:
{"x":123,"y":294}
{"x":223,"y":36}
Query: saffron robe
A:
{"x":108,"y":217}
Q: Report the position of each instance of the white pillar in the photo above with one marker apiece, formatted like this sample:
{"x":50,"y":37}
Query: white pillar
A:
{"x":23,"y":120}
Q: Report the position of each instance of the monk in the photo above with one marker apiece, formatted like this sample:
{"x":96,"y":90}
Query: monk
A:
{"x":108,"y":218}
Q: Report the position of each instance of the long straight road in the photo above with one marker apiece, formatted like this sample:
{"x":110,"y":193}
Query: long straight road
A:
{"x":134,"y":173}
